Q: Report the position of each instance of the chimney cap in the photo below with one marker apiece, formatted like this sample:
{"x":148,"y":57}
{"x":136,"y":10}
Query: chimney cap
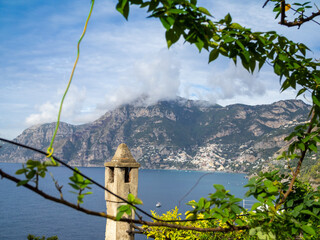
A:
{"x":123,"y":158}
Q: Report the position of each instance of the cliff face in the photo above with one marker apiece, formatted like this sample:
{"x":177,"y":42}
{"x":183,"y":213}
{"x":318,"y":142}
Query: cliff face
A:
{"x":181,"y":134}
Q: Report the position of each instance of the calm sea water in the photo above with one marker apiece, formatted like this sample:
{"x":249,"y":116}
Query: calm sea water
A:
{"x":23,"y":212}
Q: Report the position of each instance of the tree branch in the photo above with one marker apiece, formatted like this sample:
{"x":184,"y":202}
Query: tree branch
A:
{"x":286,"y":194}
{"x":283,"y":12}
{"x":301,"y":20}
{"x":265,"y":4}
{"x":102,"y":214}
{"x":297,"y":23}
{"x":54,"y":199}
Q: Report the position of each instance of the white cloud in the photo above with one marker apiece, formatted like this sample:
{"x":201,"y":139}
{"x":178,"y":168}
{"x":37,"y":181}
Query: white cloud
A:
{"x":71,"y":111}
{"x":155,"y":77}
{"x":158,"y":76}
{"x":235,"y":81}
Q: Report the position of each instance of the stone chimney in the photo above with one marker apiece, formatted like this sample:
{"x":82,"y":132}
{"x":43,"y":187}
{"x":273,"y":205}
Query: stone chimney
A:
{"x":121,"y":178}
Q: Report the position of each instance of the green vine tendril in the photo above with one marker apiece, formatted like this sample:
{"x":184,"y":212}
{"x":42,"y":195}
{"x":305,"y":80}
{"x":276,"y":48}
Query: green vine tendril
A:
{"x":50,"y":149}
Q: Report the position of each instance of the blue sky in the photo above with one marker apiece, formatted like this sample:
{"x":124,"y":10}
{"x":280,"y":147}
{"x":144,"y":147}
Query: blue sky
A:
{"x":120,"y":60}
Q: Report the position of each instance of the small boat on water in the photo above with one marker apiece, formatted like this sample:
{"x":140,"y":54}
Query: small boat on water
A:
{"x":158,"y":204}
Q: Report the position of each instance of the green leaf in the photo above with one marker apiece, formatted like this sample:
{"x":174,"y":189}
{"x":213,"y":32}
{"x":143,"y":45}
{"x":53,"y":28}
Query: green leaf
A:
{"x":252,"y":232}
{"x":223,"y":51}
{"x":239,"y":222}
{"x":235,"y":209}
{"x":294,"y":230}
{"x":123,"y":8}
{"x":205,"y":11}
{"x":131,"y":198}
{"x":171,"y":37}
{"x":271,"y":235}
{"x":261,"y":235}
{"x":207,"y":205}
{"x":80,"y":197}
{"x":217,"y":216}
{"x":126,"y":11}
{"x":228,"y":19}
{"x":21,"y":171}
{"x":32,"y":164}
{"x":316,"y":138}
{"x":214,"y":54}
{"x":152,"y":5}
{"x":240,"y":44}
{"x":42,"y":174}
{"x":236,"y":26}
{"x":123,"y":208}
{"x":308,"y":212}
{"x":313,"y":147}
{"x":316,"y":100}
{"x":177,"y":11}
{"x":255,"y":205}
{"x":31,"y":174}
{"x":201,"y":203}
{"x":193,"y":2}
{"x":301,"y":146}
{"x":268,"y":183}
{"x":226,"y":212}
{"x":129,"y":211}
{"x":290,"y":203}
{"x":74,"y":186}
{"x":218,"y":187}
{"x":22,"y":182}
{"x":277,"y":68}
{"x":301,"y":91}
{"x":119,"y":215}
{"x":308,"y":230}
{"x":317,"y":79}
{"x":282,"y":41}
{"x":166,"y":24}
{"x":297,"y":210}
{"x":302,"y":49}
{"x":192,"y":203}
{"x":87,"y":181}
{"x":228,"y":39}
{"x":199,"y":44}
{"x":272,"y":189}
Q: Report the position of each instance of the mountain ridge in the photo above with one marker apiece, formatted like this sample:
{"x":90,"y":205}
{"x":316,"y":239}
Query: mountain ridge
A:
{"x":176,"y":134}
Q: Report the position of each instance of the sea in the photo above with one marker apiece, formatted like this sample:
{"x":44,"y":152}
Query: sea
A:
{"x":23,"y":212}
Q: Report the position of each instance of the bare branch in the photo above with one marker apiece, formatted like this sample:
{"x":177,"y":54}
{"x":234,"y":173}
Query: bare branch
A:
{"x":54,"y":199}
{"x":265,"y":4}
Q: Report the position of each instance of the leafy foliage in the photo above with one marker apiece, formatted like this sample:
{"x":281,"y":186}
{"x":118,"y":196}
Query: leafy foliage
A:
{"x":32,"y":237}
{"x":312,"y":172}
{"x":221,"y":205}
{"x":32,"y":170}
{"x":166,"y":233}
{"x":128,"y":208}
{"x":299,"y":214}
{"x":80,"y":184}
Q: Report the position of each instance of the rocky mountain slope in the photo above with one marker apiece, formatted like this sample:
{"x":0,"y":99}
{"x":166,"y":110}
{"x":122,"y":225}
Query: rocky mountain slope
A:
{"x":180,"y":134}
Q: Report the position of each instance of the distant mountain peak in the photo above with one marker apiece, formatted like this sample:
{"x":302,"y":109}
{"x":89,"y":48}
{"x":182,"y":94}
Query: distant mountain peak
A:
{"x":178,"y":134}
